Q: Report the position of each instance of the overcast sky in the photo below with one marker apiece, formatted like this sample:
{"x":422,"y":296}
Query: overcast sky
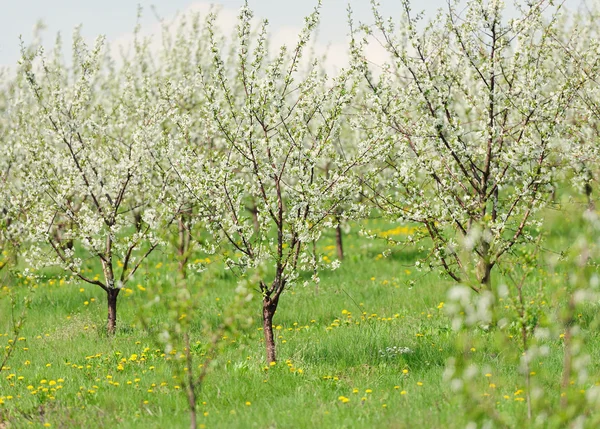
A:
{"x":116,"y":18}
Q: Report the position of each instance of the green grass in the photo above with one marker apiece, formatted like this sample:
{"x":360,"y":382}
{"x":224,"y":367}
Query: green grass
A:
{"x":331,"y":371}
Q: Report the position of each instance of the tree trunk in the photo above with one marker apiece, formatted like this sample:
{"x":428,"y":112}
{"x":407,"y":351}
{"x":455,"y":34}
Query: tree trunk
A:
{"x":486,"y":275}
{"x":112,"y":310}
{"x":191,"y":384}
{"x":183,"y":245}
{"x":588,"y":194}
{"x":269,"y":308}
{"x":484,"y":268}
{"x":192,"y":405}
{"x":254,"y":211}
{"x":182,"y":268}
{"x":314,"y":243}
{"x":338,"y":242}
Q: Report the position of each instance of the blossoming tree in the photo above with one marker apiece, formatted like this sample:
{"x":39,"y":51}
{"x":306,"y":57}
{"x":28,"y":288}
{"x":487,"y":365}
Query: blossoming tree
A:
{"x":14,"y":199}
{"x":89,"y":135}
{"x":474,"y":105}
{"x":6,"y":163}
{"x":273,"y":126}
{"x":578,"y":38}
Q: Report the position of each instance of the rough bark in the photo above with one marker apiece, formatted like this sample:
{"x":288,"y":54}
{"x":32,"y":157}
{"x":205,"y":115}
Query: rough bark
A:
{"x":486,"y":275}
{"x":183,"y":245}
{"x":112,"y":295}
{"x":484,"y":268}
{"x":338,"y":242}
{"x":269,"y":308}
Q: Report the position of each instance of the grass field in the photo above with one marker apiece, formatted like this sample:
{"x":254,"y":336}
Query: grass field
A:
{"x":369,"y":348}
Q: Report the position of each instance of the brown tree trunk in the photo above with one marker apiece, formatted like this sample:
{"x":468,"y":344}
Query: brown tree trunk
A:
{"x":338,"y":242}
{"x":269,"y":308}
{"x":254,"y":211}
{"x":183,"y":245}
{"x":112,"y":310}
{"x":486,"y":276}
{"x":588,"y":194}
{"x":192,"y":405}
{"x":315,"y":265}
{"x":182,"y":268}
{"x":484,"y":268}
{"x":191,"y":384}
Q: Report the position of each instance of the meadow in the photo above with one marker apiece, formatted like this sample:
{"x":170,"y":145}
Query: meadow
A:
{"x":170,"y":221}
{"x":368,"y":347}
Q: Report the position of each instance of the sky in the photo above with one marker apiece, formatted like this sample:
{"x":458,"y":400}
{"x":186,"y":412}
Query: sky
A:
{"x":116,"y":19}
